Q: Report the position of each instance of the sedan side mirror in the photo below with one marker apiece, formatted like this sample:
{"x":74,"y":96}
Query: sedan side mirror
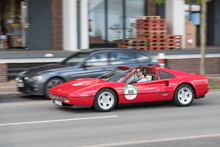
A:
{"x":87,"y":64}
{"x":132,"y":82}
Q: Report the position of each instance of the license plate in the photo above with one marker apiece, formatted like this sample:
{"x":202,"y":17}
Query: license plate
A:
{"x":20,"y":84}
{"x":59,"y":103}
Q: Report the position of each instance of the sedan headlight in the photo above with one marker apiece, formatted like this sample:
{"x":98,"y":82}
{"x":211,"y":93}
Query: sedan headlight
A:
{"x":36,"y":78}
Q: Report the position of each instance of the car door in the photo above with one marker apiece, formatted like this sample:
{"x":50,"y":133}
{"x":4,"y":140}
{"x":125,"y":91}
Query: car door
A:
{"x":167,"y":90}
{"x":141,"y":92}
{"x":144,"y":91}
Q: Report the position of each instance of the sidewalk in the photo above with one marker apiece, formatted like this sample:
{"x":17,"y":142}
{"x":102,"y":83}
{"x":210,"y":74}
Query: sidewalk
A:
{"x":8,"y":88}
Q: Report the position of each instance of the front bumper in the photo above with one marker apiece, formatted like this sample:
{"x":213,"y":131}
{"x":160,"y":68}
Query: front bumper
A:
{"x":76,"y":102}
{"x":73,"y":106}
{"x":32,"y":88}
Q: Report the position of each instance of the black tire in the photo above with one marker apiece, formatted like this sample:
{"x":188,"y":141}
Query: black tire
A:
{"x":181,"y":98}
{"x":50,"y":84}
{"x":97,"y":101}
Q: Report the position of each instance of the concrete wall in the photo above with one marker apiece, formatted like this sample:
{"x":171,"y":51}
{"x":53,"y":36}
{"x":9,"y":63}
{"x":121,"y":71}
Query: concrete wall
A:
{"x":39,"y":31}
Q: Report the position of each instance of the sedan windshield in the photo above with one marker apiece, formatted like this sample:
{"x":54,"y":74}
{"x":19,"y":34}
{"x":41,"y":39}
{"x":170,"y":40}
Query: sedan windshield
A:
{"x":75,"y":59}
{"x":116,"y":75}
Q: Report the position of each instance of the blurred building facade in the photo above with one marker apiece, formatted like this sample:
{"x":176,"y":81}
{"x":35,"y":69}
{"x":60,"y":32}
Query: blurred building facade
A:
{"x":75,"y":24}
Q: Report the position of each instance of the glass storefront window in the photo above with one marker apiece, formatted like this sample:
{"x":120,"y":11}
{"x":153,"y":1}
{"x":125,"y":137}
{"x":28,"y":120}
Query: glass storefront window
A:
{"x":111,"y":20}
{"x":133,"y":9}
{"x":97,"y":21}
{"x":115,"y":20}
{"x":193,"y":13}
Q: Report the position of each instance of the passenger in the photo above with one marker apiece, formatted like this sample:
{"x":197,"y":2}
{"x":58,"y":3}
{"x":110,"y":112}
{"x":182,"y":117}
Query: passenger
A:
{"x":140,"y":76}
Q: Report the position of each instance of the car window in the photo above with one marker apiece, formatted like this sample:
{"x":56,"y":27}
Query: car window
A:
{"x":75,"y":59}
{"x":121,"y":58}
{"x":165,"y":75}
{"x":142,"y":57}
{"x":130,"y":78}
{"x":99,"y":59}
{"x":116,"y":75}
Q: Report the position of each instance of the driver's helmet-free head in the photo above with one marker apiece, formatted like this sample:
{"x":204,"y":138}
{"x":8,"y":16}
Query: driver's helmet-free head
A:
{"x":141,"y":69}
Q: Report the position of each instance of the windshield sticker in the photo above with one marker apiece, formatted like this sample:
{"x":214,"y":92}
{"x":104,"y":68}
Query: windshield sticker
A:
{"x":130,"y":92}
{"x":77,"y":84}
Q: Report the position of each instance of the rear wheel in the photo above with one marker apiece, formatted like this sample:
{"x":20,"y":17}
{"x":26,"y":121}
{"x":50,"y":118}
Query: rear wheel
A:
{"x":105,"y":100}
{"x":184,"y":95}
{"x":52,"y":83}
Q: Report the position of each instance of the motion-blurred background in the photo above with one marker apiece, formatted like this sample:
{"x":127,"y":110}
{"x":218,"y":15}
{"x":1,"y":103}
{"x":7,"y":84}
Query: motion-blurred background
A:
{"x":37,"y":32}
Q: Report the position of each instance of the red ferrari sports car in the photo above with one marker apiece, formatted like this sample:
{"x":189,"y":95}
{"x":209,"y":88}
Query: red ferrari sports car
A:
{"x":118,"y":87}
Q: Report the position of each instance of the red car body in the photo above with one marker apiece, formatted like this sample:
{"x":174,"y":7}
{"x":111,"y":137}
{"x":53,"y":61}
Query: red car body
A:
{"x":156,"y":90}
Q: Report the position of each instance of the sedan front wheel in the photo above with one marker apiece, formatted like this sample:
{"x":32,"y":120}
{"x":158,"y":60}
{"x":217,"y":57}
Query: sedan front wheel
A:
{"x":52,"y":83}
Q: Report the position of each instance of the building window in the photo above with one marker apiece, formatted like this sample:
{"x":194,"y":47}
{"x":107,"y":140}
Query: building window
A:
{"x":133,"y":8}
{"x":111,"y":20}
{"x":115,"y":20}
{"x":97,"y":21}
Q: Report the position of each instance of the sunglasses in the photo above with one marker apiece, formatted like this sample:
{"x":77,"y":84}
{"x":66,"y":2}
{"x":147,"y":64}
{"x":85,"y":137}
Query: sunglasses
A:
{"x":138,"y":71}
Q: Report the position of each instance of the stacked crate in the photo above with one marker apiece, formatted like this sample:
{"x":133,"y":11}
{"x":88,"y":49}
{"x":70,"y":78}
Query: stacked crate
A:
{"x":140,"y":44}
{"x":152,"y":35}
{"x":153,"y":29}
{"x":174,"y":42}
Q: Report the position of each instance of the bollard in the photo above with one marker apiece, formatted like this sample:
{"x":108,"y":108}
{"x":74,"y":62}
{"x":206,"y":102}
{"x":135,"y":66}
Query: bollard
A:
{"x":161,"y":59}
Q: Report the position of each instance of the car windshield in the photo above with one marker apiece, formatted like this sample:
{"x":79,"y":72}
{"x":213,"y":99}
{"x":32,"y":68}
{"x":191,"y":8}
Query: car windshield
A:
{"x":116,"y":75}
{"x":75,"y":59}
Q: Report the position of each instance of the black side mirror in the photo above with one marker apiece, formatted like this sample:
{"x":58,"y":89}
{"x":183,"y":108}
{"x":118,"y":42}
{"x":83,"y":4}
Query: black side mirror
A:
{"x":86,"y":64}
{"x":132,"y":82}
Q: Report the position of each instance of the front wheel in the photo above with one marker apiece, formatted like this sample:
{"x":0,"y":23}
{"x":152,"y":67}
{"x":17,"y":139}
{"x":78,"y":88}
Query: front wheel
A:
{"x":105,"y":100}
{"x":184,"y":95}
{"x":50,"y":84}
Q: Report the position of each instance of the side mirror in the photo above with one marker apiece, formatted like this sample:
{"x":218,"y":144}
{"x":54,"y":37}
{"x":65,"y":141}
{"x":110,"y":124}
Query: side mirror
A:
{"x":132,"y":82}
{"x":87,"y":64}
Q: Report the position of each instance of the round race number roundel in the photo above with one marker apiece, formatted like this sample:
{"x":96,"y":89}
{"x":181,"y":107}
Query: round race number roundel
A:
{"x":130,"y":92}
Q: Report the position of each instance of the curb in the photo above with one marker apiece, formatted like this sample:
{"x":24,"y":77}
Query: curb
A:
{"x":8,"y":93}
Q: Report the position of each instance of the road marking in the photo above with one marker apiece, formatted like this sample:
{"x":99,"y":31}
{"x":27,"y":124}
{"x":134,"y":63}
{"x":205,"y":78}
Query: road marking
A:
{"x":26,"y":103}
{"x":153,"y":140}
{"x":59,"y":120}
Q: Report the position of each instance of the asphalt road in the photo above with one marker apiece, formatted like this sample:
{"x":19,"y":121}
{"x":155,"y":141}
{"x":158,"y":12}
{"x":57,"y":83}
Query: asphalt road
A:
{"x":30,"y":121}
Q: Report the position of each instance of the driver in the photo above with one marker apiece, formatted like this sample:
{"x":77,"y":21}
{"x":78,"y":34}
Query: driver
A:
{"x":140,"y":76}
